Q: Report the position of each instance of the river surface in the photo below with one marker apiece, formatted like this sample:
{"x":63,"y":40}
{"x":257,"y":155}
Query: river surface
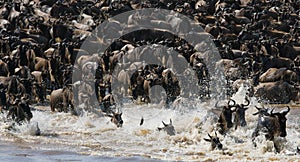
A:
{"x":92,"y":137}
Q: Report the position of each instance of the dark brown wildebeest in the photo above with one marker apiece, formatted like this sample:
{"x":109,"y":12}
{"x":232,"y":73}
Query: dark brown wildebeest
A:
{"x":273,"y":124}
{"x":225,"y":118}
{"x":276,"y":62}
{"x":232,"y":109}
{"x":169,"y":128}
{"x":20,"y":110}
{"x":3,"y":101}
{"x":15,"y":88}
{"x":239,"y":114}
{"x":3,"y":69}
{"x":107,"y":102}
{"x":214,"y":141}
{"x":25,"y":77}
{"x":289,"y":51}
{"x":12,"y":64}
{"x":171,"y":85}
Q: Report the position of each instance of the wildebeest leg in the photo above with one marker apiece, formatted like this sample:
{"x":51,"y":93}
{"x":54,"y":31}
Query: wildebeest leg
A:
{"x":65,"y":106}
{"x":52,"y":104}
{"x":20,"y":114}
{"x":277,"y":146}
{"x":11,"y":112}
{"x":254,"y":135}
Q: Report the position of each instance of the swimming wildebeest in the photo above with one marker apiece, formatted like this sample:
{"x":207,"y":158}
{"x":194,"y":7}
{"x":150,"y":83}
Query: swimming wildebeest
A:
{"x":116,"y":118}
{"x":273,"y":124}
{"x":214,"y":141}
{"x":20,"y":111}
{"x":239,"y":114}
{"x":225,"y":118}
{"x":169,"y":128}
{"x":229,"y":110}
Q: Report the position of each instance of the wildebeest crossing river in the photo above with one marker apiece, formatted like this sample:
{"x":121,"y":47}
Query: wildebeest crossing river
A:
{"x":85,"y":61}
{"x":92,"y":137}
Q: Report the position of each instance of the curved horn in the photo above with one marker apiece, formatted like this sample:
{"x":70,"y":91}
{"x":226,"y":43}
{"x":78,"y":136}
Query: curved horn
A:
{"x":216,"y":134}
{"x":234,"y":103}
{"x":170,"y":121}
{"x":286,"y":111}
{"x":248,"y":102}
{"x":217,"y":106}
{"x":257,"y":108}
{"x":209,"y":136}
{"x":164,"y":123}
{"x":272,"y":111}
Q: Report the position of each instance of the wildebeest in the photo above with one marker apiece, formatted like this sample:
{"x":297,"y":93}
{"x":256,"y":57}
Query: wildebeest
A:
{"x":274,"y":74}
{"x":273,"y":124}
{"x":3,"y":69}
{"x":225,"y":118}
{"x":107,"y":102}
{"x":3,"y":101}
{"x":15,"y":87}
{"x":232,"y":109}
{"x":39,"y":86}
{"x":20,"y":110}
{"x":276,"y":92}
{"x":214,"y":141}
{"x":86,"y":95}
{"x":171,"y":85}
{"x":239,"y":114}
{"x":61,"y":99}
{"x":116,"y":118}
{"x":169,"y":128}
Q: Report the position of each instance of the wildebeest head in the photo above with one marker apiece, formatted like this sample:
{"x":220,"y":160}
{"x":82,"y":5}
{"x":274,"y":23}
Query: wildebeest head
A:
{"x":225,"y":118}
{"x":215,"y":141}
{"x":169,"y":128}
{"x":116,"y":118}
{"x":239,"y":114}
{"x":281,"y":120}
{"x":275,"y":124}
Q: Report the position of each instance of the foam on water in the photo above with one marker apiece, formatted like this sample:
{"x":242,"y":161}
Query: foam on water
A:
{"x":94,"y":134}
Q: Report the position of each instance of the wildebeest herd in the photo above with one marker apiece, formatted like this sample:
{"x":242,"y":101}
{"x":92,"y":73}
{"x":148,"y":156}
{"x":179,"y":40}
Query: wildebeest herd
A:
{"x":41,"y":39}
